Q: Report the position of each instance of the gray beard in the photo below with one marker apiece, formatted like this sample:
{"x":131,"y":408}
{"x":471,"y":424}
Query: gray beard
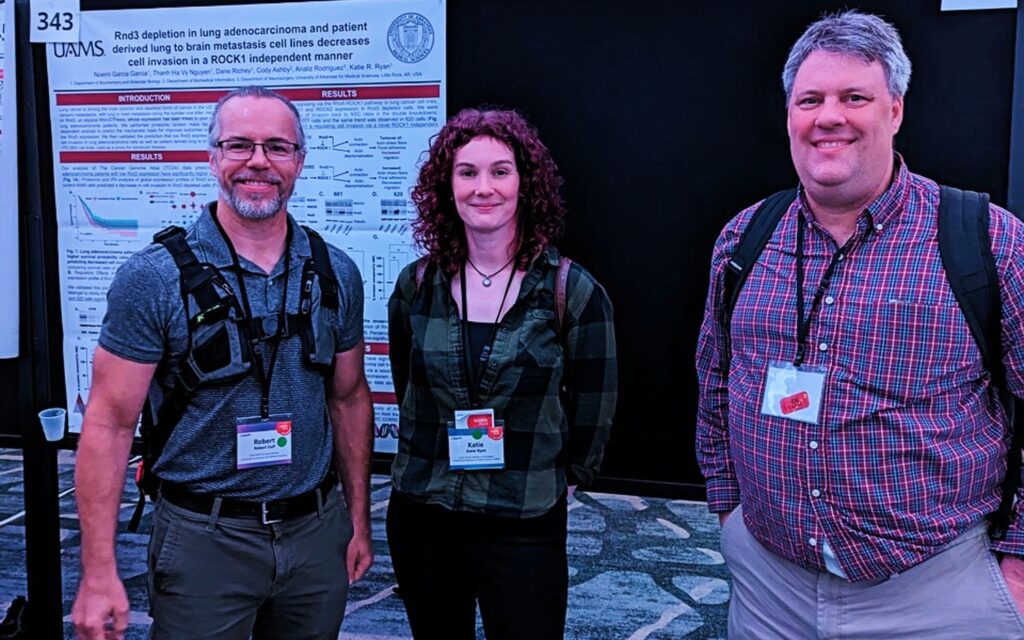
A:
{"x":261,"y":209}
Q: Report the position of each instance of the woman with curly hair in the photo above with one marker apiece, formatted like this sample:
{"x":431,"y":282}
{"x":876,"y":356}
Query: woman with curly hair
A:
{"x":506,"y":394}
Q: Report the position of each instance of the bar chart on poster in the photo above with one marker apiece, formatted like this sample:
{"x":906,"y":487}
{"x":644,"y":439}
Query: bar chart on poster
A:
{"x":130,"y":104}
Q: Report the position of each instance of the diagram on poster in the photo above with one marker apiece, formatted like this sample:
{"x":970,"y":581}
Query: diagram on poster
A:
{"x":130,"y":105}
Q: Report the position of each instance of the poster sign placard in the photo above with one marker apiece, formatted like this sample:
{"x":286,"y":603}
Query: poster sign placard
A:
{"x":54,"y":21}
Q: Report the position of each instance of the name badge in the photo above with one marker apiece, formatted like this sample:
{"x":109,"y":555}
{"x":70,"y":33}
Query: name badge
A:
{"x":261,"y":443}
{"x":476,"y":441}
{"x":793,"y":392}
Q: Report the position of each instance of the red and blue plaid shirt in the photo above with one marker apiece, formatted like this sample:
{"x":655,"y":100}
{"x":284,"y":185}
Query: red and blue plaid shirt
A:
{"x":910,"y":445}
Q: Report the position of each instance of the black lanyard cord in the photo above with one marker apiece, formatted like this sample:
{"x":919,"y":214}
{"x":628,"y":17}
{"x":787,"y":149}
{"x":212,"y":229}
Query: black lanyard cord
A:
{"x":274,"y":341}
{"x":803,"y":324}
{"x":472,"y":376}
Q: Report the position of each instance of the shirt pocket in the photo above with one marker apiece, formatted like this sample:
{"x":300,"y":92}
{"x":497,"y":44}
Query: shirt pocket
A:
{"x":537,"y":343}
{"x":907,"y":349}
{"x":530,"y":361}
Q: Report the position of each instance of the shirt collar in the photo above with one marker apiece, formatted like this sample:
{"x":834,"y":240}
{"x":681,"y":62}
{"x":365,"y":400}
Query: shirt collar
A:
{"x":887,"y":205}
{"x":213,"y":249}
{"x":890,"y":203}
{"x":548,"y":255}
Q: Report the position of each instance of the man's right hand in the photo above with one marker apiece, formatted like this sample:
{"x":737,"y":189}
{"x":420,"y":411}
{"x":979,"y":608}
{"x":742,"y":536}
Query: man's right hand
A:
{"x":100,"y":611}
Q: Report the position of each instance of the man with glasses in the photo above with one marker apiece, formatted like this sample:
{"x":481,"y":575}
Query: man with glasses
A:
{"x":264,"y":354}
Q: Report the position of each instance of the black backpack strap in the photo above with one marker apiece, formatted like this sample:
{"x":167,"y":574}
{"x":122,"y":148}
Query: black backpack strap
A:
{"x":971,"y":268}
{"x":194,"y":275}
{"x":190,"y":269}
{"x":321,"y":265}
{"x":966,"y":250}
{"x":195,"y":279}
{"x":173,"y":237}
{"x":755,"y":236}
{"x":154,"y":439}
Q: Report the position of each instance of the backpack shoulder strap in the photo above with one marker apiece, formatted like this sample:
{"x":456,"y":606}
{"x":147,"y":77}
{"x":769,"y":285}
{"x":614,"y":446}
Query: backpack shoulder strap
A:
{"x":755,"y":236}
{"x":321,"y":264}
{"x":173,"y":239}
{"x":971,"y":269}
{"x":421,"y":270}
{"x":195,"y":279}
{"x":561,"y":282}
{"x":966,"y":251}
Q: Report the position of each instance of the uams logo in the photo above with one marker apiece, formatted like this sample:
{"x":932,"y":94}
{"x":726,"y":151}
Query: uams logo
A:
{"x":93,"y":49}
{"x":410,"y":37}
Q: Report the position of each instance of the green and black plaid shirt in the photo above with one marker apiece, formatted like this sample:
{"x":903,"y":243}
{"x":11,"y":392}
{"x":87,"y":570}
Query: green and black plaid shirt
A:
{"x":552,"y":437}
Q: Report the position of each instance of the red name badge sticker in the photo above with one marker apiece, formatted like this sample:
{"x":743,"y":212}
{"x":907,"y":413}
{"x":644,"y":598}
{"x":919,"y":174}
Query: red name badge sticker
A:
{"x":495,"y":432}
{"x":284,"y":427}
{"x":795,"y":402}
{"x":479,"y":421}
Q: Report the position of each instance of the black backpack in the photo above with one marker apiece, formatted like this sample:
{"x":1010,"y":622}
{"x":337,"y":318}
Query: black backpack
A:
{"x":215,"y":299}
{"x":966,"y":253}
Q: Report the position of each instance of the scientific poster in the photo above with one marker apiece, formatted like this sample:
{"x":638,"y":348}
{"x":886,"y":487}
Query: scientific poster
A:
{"x":8,"y":186}
{"x":130,"y":105}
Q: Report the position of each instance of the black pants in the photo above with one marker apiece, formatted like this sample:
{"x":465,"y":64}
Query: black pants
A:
{"x":447,"y":561}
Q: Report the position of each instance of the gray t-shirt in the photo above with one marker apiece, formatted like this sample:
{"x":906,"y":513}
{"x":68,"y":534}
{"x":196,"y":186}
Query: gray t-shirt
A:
{"x":145,"y":322}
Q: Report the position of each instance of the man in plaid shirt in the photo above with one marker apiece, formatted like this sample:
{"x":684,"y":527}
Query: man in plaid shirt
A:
{"x":852,"y":440}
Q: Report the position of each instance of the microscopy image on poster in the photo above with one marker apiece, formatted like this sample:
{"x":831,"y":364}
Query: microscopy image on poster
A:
{"x":130,"y":105}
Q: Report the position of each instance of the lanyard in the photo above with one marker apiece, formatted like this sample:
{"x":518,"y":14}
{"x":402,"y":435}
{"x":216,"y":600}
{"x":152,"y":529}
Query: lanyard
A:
{"x":475,"y":374}
{"x":273,"y":341}
{"x":803,"y":325}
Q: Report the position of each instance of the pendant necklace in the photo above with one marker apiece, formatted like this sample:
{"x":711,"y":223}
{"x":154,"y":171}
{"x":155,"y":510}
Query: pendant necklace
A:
{"x":487,"y":277}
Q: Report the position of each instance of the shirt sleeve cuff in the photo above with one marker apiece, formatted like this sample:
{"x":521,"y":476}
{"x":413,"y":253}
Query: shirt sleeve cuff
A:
{"x":1013,"y":544}
{"x":723,"y":495}
{"x":579,"y":475}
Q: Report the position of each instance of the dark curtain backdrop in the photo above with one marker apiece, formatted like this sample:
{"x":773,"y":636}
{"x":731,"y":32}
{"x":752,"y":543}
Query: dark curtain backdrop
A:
{"x":668,"y":118}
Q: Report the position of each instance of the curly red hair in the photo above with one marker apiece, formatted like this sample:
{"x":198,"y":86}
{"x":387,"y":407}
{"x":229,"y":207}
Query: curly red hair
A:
{"x":540,"y":217}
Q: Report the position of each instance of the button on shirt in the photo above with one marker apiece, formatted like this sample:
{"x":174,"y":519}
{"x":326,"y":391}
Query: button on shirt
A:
{"x":909,"y":449}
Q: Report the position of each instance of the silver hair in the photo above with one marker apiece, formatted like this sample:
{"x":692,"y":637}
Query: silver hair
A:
{"x":255,"y":92}
{"x":852,"y":33}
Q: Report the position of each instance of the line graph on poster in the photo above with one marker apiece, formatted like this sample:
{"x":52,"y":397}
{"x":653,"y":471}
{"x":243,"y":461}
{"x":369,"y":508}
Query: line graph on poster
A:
{"x":104,"y":217}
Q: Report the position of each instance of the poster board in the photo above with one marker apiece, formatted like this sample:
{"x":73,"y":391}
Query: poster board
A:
{"x":130,"y":104}
{"x":8,"y":184}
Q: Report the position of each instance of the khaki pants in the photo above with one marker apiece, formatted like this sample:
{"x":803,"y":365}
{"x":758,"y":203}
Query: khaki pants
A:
{"x":958,"y":593}
{"x":227,"y":578}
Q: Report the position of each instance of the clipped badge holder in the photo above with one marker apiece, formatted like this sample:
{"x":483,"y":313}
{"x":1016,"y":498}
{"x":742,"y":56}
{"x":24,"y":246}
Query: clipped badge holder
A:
{"x":476,"y":441}
{"x":793,"y":392}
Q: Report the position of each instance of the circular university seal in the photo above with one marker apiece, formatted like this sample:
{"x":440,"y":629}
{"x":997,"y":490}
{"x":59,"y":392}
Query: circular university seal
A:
{"x":410,"y":37}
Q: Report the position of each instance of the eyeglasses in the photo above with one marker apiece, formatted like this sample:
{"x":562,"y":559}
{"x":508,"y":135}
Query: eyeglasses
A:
{"x":242,"y":149}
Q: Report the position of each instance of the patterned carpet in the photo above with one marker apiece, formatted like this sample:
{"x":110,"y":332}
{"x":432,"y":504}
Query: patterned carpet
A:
{"x":640,"y":568}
